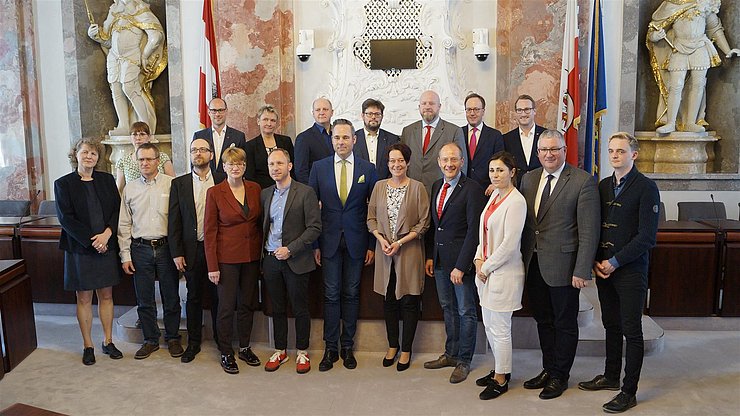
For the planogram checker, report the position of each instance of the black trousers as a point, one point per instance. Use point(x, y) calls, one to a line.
point(622, 298)
point(237, 289)
point(406, 308)
point(198, 285)
point(281, 281)
point(556, 311)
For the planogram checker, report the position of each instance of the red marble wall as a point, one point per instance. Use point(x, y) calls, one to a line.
point(255, 45)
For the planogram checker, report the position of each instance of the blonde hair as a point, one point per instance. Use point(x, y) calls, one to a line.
point(631, 140)
point(234, 155)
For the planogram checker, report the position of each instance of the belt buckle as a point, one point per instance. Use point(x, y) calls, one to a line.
point(154, 243)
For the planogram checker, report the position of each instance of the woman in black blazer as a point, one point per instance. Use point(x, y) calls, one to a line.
point(87, 207)
point(261, 146)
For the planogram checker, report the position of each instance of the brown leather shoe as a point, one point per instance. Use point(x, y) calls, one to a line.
point(460, 373)
point(441, 362)
point(175, 348)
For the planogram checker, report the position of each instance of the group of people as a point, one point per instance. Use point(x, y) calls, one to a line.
point(483, 214)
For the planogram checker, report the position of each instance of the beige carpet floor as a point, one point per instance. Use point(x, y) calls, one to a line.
point(698, 373)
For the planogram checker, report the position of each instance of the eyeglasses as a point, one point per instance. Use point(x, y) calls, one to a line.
point(551, 150)
point(217, 110)
point(199, 150)
point(473, 110)
point(377, 115)
point(523, 110)
point(234, 165)
point(139, 133)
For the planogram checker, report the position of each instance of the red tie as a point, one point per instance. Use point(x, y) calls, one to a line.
point(441, 203)
point(427, 137)
point(473, 142)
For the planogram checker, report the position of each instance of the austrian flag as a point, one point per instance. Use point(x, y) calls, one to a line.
point(570, 109)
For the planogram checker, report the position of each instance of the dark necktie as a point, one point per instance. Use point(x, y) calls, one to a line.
point(544, 197)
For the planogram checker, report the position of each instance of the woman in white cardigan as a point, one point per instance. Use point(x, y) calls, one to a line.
point(499, 269)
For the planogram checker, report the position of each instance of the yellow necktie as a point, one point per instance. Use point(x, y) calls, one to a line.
point(343, 183)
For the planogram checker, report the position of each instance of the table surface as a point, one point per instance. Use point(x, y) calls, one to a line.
point(684, 226)
point(8, 264)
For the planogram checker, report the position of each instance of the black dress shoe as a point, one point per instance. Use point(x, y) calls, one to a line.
point(246, 355)
point(488, 378)
point(88, 356)
point(111, 351)
point(539, 382)
point(494, 390)
point(327, 363)
point(403, 366)
point(348, 358)
point(387, 362)
point(620, 403)
point(599, 383)
point(228, 363)
point(554, 388)
point(189, 354)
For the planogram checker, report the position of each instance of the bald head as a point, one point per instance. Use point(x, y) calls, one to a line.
point(429, 105)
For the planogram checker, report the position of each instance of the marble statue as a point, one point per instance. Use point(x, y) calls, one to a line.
point(679, 42)
point(136, 53)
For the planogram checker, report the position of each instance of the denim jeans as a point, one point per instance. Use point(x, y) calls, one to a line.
point(152, 263)
point(342, 276)
point(460, 309)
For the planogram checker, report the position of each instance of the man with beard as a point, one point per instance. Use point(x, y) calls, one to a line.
point(372, 141)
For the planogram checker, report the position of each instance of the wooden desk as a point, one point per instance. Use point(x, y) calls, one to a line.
point(16, 313)
point(39, 241)
point(728, 293)
point(682, 278)
point(9, 245)
point(20, 409)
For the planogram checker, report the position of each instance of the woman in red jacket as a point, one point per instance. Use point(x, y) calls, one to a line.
point(233, 235)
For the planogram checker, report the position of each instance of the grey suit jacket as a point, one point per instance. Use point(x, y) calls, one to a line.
point(423, 166)
point(301, 224)
point(567, 236)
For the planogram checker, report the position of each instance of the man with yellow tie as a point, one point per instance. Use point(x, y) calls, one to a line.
point(343, 183)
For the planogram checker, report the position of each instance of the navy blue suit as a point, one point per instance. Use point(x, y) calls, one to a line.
point(490, 141)
point(310, 145)
point(233, 137)
point(385, 139)
point(451, 243)
point(344, 241)
point(513, 145)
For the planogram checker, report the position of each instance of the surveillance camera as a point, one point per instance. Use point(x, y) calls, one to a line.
point(305, 45)
point(304, 57)
point(481, 51)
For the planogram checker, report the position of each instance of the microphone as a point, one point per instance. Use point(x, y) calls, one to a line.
point(716, 214)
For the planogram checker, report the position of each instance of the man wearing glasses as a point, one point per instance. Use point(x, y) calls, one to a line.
point(522, 141)
point(559, 243)
point(220, 137)
point(185, 235)
point(145, 251)
point(482, 141)
point(372, 140)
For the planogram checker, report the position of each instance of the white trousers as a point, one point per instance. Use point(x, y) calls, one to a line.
point(498, 332)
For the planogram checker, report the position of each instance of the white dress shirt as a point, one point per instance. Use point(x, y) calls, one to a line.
point(218, 142)
point(543, 182)
point(200, 186)
point(371, 139)
point(527, 142)
point(338, 171)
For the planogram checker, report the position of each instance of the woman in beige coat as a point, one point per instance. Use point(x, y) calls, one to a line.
point(398, 216)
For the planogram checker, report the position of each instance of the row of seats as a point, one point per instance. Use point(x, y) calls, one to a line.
point(687, 211)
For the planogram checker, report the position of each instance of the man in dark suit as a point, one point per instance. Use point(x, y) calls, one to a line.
point(455, 211)
point(630, 204)
point(522, 141)
point(372, 141)
point(185, 235)
point(343, 183)
point(220, 137)
point(559, 243)
point(291, 224)
point(314, 143)
point(482, 141)
point(426, 136)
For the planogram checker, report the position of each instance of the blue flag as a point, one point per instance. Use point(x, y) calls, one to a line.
point(596, 93)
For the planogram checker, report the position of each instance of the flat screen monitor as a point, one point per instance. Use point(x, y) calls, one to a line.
point(393, 54)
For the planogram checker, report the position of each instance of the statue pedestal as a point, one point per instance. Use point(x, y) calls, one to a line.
point(677, 152)
point(119, 146)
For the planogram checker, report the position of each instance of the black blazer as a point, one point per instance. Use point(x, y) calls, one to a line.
point(257, 170)
point(513, 145)
point(452, 240)
point(310, 145)
point(182, 221)
point(233, 137)
point(385, 139)
point(490, 142)
point(74, 216)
